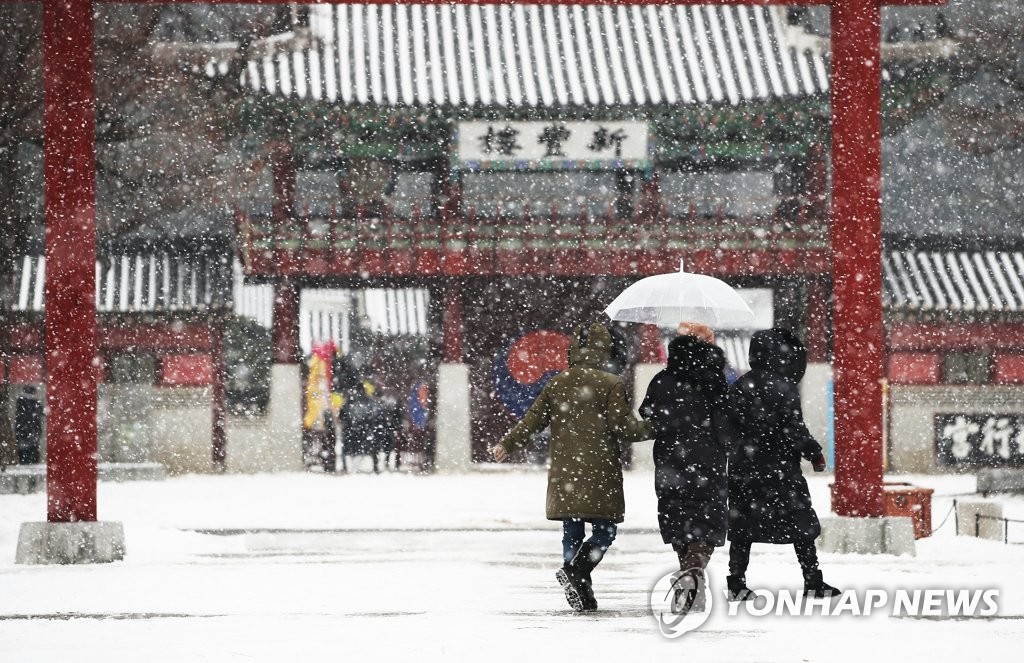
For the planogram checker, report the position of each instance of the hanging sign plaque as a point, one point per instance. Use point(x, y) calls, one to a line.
point(546, 145)
point(979, 440)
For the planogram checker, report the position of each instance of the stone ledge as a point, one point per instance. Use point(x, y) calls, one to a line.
point(23, 479)
point(980, 518)
point(1001, 480)
point(131, 472)
point(867, 536)
point(70, 543)
point(26, 479)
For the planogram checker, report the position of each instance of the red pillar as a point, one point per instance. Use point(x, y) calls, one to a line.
point(817, 319)
point(856, 248)
point(286, 292)
point(285, 330)
point(817, 183)
point(651, 350)
point(70, 191)
point(451, 324)
point(283, 170)
point(219, 441)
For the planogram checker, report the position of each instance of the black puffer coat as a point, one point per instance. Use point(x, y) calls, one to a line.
point(683, 404)
point(768, 497)
point(366, 425)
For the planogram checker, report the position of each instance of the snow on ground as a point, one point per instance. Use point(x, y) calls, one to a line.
point(399, 567)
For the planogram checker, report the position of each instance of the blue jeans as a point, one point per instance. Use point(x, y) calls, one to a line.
point(602, 533)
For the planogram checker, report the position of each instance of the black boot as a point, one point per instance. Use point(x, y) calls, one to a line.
point(688, 592)
point(738, 590)
point(818, 588)
point(574, 578)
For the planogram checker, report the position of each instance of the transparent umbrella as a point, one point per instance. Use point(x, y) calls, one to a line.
point(668, 299)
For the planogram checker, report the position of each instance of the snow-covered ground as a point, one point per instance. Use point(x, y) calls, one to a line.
point(398, 567)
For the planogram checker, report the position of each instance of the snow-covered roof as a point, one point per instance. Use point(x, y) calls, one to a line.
point(544, 55)
point(736, 347)
point(253, 300)
point(328, 313)
point(969, 281)
point(957, 171)
point(140, 283)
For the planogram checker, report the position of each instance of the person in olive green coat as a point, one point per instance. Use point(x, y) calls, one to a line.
point(590, 420)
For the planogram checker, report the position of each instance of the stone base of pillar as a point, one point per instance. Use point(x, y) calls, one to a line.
point(70, 543)
point(454, 448)
point(867, 536)
point(815, 402)
point(643, 452)
point(273, 442)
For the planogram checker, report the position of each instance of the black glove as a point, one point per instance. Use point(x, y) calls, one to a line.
point(819, 463)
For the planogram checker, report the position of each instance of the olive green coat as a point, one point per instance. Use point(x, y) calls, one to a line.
point(590, 420)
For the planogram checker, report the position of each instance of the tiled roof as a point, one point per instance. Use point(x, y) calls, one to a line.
point(544, 55)
point(137, 283)
point(969, 281)
point(736, 347)
point(327, 313)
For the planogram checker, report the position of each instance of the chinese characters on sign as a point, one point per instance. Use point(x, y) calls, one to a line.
point(552, 144)
point(979, 439)
point(604, 139)
point(502, 141)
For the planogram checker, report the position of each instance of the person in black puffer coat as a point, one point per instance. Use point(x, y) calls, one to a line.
point(366, 427)
point(769, 501)
point(684, 405)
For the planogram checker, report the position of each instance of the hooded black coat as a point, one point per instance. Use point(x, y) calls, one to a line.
point(366, 425)
point(768, 497)
point(683, 404)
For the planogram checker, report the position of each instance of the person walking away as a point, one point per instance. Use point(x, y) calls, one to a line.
point(364, 427)
point(769, 501)
point(590, 418)
point(684, 406)
point(318, 436)
point(394, 432)
point(28, 426)
point(8, 447)
point(329, 442)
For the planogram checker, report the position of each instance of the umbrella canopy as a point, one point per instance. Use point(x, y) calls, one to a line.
point(668, 299)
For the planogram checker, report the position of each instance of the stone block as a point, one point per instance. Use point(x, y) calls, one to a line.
point(23, 479)
point(454, 451)
point(1001, 480)
point(980, 518)
point(119, 472)
point(867, 536)
point(898, 536)
point(70, 543)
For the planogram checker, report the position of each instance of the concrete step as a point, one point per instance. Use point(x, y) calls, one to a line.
point(26, 479)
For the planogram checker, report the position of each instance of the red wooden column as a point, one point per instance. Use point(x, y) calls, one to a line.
point(451, 324)
point(817, 183)
point(817, 319)
point(219, 411)
point(282, 165)
point(651, 350)
point(70, 190)
point(285, 330)
point(857, 256)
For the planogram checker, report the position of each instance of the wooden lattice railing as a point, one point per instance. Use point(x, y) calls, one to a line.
point(423, 242)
